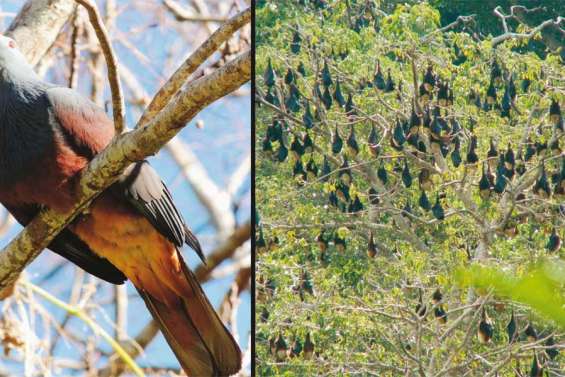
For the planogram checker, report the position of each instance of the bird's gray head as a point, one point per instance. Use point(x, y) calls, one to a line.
point(12, 61)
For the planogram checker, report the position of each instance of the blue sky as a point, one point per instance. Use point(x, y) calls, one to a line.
point(221, 146)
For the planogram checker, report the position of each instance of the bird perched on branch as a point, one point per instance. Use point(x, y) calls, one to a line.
point(131, 231)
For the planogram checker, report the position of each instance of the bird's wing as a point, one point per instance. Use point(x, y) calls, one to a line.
point(69, 246)
point(85, 126)
point(143, 189)
point(87, 130)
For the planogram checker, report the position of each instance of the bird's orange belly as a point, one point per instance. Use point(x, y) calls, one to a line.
point(115, 231)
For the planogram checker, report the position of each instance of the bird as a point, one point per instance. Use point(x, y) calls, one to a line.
point(132, 230)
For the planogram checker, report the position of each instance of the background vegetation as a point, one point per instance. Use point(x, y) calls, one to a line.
point(349, 263)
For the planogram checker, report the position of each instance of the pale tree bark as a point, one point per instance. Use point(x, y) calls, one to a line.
point(38, 24)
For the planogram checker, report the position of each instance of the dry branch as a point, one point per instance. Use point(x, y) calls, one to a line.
point(216, 200)
point(110, 56)
point(193, 62)
point(183, 14)
point(225, 251)
point(511, 35)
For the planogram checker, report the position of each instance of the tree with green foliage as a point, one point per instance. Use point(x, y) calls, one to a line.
point(409, 186)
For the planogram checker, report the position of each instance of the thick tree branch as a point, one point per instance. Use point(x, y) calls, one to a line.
point(124, 149)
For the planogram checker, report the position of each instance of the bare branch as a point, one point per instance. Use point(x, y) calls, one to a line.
point(110, 56)
point(216, 201)
point(461, 20)
point(193, 62)
point(183, 14)
point(238, 177)
point(511, 35)
point(223, 252)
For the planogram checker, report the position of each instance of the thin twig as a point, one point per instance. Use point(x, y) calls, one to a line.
point(182, 14)
point(111, 62)
point(74, 311)
point(190, 65)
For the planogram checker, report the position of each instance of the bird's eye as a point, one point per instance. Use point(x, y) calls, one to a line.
point(11, 43)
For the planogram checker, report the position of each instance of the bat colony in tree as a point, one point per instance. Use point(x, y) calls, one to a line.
point(380, 151)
